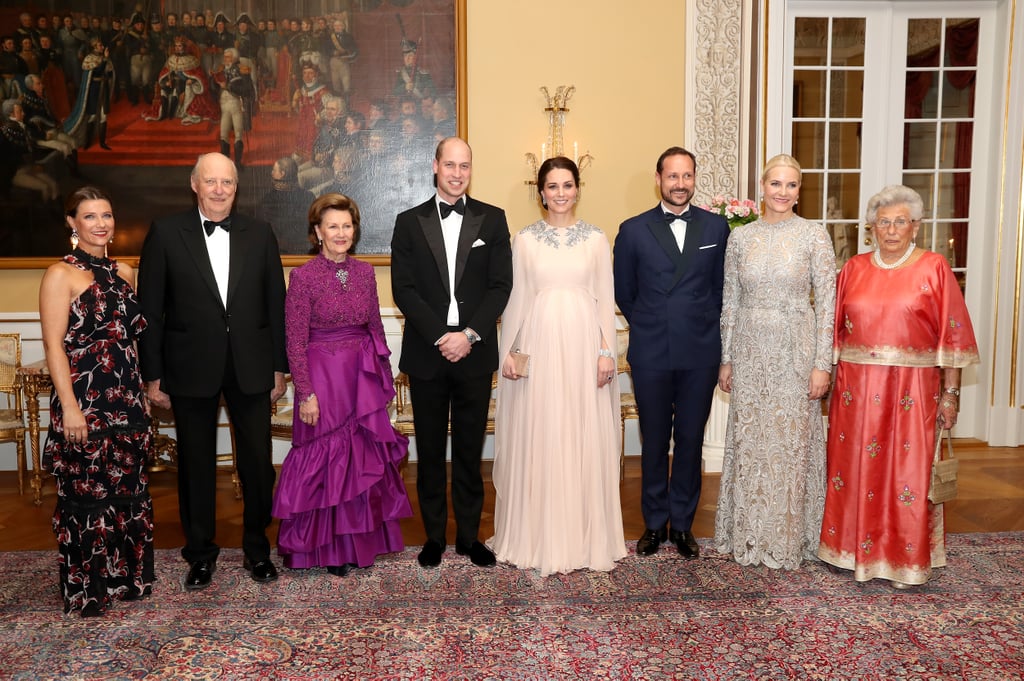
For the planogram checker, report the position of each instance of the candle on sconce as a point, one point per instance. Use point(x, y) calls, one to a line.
point(543, 151)
point(575, 152)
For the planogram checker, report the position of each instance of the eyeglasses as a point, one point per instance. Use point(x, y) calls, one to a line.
point(900, 223)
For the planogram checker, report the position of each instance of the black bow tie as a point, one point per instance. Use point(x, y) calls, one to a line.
point(210, 225)
point(672, 217)
point(446, 209)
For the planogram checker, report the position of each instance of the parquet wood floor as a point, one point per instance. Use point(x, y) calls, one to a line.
point(991, 500)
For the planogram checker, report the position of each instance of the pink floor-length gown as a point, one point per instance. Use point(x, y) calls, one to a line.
point(557, 439)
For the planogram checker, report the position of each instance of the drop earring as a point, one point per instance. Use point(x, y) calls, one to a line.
point(74, 239)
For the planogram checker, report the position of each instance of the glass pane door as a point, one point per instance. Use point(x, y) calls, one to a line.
point(828, 121)
point(940, 81)
point(882, 93)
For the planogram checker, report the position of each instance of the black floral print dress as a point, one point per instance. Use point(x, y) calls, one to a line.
point(104, 515)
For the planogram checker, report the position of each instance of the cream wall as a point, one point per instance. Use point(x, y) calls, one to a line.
point(627, 66)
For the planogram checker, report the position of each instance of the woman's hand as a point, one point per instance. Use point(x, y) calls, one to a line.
point(949, 407)
point(605, 371)
point(725, 378)
point(309, 411)
point(819, 384)
point(508, 368)
point(76, 430)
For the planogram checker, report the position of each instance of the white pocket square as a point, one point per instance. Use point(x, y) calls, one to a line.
point(708, 246)
point(478, 242)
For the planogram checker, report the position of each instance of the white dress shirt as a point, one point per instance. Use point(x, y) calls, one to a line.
point(450, 228)
point(218, 245)
point(677, 226)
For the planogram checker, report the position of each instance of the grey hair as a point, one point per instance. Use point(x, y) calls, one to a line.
point(31, 80)
point(232, 51)
point(895, 195)
point(202, 157)
point(8, 106)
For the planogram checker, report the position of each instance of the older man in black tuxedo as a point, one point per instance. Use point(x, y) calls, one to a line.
point(451, 274)
point(212, 289)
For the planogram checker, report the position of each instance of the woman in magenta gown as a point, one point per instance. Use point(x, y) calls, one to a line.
point(341, 496)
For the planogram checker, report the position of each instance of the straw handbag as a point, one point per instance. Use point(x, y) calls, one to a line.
point(944, 471)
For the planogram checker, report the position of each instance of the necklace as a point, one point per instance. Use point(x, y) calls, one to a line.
point(903, 258)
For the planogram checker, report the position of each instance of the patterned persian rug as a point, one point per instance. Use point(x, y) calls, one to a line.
point(651, 618)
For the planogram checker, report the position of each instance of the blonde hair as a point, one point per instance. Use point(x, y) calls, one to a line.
point(782, 161)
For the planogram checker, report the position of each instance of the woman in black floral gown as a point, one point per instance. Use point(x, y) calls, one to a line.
point(99, 439)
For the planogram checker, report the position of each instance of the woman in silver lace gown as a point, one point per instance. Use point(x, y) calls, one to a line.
point(776, 359)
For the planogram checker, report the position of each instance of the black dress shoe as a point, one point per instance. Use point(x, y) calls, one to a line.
point(200, 574)
point(686, 544)
point(92, 609)
point(134, 594)
point(430, 556)
point(480, 555)
point(650, 541)
point(340, 570)
point(261, 571)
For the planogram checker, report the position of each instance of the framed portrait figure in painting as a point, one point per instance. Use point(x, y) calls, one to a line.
point(306, 97)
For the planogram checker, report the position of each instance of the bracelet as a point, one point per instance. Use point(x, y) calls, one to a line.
point(949, 404)
point(309, 397)
point(952, 391)
point(606, 353)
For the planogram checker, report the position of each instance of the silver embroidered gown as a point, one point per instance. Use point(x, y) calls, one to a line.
point(773, 478)
point(556, 457)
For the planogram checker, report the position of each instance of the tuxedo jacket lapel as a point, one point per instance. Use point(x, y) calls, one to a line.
point(238, 251)
point(662, 233)
point(430, 223)
point(195, 244)
point(471, 223)
point(691, 244)
point(667, 241)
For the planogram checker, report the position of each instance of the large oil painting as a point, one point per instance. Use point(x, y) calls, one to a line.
point(307, 97)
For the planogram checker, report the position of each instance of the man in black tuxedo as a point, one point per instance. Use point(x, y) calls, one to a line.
point(451, 275)
point(669, 272)
point(212, 289)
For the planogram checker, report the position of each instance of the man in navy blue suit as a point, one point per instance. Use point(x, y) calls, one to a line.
point(669, 270)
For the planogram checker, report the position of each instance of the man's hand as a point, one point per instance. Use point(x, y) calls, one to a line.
point(454, 346)
point(157, 397)
point(279, 386)
point(725, 378)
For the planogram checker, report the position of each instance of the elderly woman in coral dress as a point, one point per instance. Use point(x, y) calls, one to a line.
point(902, 336)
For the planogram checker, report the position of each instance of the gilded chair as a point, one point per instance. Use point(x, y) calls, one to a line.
point(165, 449)
point(403, 420)
point(12, 416)
point(281, 413)
point(626, 399)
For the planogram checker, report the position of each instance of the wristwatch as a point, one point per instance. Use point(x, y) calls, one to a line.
point(470, 336)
